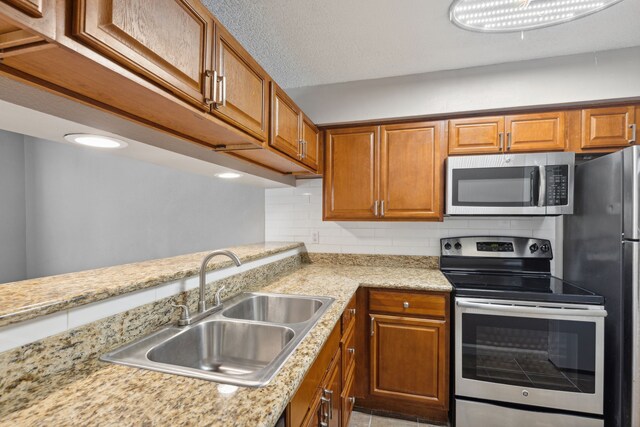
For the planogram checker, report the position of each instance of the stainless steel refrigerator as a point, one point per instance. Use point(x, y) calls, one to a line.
point(602, 254)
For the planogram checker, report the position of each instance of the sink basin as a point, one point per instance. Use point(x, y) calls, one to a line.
point(245, 344)
point(226, 347)
point(274, 309)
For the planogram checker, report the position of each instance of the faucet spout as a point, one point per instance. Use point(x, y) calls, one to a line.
point(202, 304)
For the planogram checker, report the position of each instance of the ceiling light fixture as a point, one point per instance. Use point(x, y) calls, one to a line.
point(95, 141)
point(502, 16)
point(228, 175)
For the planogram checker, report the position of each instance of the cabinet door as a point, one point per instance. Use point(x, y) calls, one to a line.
point(409, 359)
point(311, 141)
point(243, 87)
point(411, 171)
point(285, 123)
point(480, 135)
point(535, 132)
point(332, 391)
point(32, 8)
point(607, 127)
point(350, 173)
point(167, 41)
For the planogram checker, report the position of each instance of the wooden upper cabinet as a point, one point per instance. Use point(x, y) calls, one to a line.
point(481, 135)
point(350, 173)
point(535, 132)
point(411, 170)
point(408, 360)
point(33, 8)
point(311, 143)
point(242, 90)
point(167, 41)
point(611, 127)
point(285, 123)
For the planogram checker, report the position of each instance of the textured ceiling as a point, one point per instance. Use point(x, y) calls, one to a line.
point(312, 42)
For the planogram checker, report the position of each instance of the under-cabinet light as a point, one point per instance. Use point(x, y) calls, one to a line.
point(228, 175)
point(95, 141)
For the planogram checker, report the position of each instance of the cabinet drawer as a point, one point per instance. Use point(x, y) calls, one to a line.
point(348, 352)
point(349, 315)
point(412, 303)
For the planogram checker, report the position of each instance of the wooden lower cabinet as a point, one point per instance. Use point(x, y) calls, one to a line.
point(324, 399)
point(406, 359)
point(405, 365)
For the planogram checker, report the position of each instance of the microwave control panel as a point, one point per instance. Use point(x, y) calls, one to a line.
point(557, 191)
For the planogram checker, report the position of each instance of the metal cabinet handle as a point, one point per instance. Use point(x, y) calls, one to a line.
point(508, 141)
point(213, 75)
point(372, 325)
point(223, 91)
point(375, 208)
point(501, 140)
point(304, 149)
point(329, 401)
point(323, 424)
point(352, 399)
point(633, 133)
point(351, 350)
point(300, 149)
point(405, 304)
point(382, 208)
point(352, 311)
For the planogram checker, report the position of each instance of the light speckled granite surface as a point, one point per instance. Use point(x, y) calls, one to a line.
point(28, 299)
point(114, 395)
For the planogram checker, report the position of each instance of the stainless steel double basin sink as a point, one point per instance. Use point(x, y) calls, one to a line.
point(244, 343)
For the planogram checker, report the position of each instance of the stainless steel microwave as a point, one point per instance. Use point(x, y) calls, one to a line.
point(510, 184)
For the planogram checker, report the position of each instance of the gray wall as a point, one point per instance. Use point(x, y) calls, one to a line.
point(569, 79)
point(13, 262)
point(87, 208)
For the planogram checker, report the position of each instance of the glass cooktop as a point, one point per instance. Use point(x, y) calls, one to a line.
point(519, 286)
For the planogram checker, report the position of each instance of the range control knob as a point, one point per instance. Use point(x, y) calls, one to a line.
point(458, 246)
point(545, 248)
point(447, 246)
point(533, 248)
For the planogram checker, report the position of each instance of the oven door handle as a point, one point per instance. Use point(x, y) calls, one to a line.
point(561, 311)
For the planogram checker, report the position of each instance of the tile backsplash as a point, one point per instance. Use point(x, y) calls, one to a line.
point(295, 214)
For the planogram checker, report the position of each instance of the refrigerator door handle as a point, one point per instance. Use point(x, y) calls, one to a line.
point(632, 268)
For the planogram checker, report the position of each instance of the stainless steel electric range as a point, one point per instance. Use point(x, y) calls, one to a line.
point(528, 347)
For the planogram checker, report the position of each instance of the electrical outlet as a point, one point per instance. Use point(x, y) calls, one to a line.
point(315, 237)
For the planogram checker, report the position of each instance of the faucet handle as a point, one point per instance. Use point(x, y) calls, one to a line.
point(185, 316)
point(217, 298)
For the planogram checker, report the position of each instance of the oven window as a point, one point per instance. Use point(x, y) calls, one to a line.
point(512, 186)
point(529, 352)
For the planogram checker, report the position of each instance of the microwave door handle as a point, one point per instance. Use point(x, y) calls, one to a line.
point(542, 188)
point(534, 187)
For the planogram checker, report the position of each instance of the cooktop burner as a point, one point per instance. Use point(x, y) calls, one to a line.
point(514, 268)
point(524, 287)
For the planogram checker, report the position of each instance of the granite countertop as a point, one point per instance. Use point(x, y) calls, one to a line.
point(32, 298)
point(118, 395)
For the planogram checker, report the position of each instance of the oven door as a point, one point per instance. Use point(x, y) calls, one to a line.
point(541, 354)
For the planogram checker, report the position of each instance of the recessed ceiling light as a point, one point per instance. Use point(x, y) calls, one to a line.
point(95, 141)
point(500, 16)
point(228, 175)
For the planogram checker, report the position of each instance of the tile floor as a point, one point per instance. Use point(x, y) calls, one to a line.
point(360, 419)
